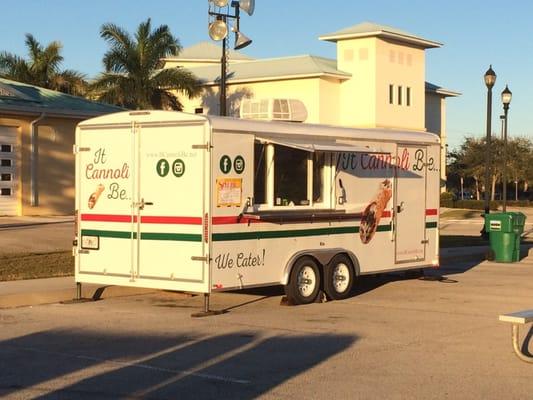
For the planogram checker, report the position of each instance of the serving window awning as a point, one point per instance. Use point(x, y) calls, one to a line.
point(330, 146)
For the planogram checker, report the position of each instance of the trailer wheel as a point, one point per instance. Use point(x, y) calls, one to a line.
point(304, 281)
point(338, 277)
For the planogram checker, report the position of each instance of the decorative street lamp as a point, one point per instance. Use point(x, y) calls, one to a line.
point(218, 30)
point(490, 80)
point(506, 100)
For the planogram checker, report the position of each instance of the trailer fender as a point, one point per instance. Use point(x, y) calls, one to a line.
point(323, 256)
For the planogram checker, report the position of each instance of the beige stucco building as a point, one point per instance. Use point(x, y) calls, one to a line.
point(37, 128)
point(376, 81)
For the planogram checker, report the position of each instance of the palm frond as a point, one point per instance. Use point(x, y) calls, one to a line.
point(163, 100)
point(34, 47)
point(177, 79)
point(69, 81)
point(115, 36)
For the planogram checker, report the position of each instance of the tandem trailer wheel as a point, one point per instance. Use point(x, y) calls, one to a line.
point(304, 281)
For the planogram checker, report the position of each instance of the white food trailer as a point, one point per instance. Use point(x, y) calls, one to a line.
point(195, 203)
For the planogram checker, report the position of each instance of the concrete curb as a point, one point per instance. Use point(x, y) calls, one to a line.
point(23, 224)
point(43, 296)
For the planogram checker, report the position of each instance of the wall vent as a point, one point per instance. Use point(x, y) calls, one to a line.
point(273, 110)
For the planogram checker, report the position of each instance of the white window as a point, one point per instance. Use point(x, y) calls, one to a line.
point(400, 91)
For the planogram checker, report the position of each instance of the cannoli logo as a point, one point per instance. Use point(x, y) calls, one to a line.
point(99, 169)
point(404, 161)
point(373, 212)
point(93, 198)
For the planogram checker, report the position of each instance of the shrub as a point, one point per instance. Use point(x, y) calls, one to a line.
point(446, 199)
point(474, 204)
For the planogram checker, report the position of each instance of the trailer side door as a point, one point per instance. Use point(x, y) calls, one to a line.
point(410, 204)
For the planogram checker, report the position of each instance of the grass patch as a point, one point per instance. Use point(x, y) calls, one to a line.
point(461, 241)
point(461, 214)
point(36, 265)
point(467, 241)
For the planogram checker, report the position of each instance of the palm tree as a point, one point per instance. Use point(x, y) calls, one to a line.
point(133, 77)
point(42, 68)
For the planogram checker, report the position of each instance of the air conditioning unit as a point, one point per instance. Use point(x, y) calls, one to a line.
point(273, 110)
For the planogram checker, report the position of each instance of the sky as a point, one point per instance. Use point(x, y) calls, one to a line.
point(474, 33)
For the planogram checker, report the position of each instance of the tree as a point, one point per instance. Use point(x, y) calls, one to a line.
point(42, 68)
point(133, 77)
point(519, 161)
point(469, 161)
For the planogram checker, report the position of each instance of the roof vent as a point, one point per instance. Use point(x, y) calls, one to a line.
point(273, 110)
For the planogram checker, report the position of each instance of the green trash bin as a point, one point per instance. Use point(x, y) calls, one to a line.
point(505, 230)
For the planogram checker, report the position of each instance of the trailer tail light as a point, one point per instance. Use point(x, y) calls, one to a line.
point(76, 224)
point(206, 227)
point(435, 263)
point(218, 286)
point(75, 239)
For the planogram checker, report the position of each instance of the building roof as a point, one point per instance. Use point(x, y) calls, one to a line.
point(369, 29)
point(431, 88)
point(207, 52)
point(303, 66)
point(25, 98)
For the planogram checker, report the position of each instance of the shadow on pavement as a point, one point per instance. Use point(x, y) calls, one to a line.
point(99, 365)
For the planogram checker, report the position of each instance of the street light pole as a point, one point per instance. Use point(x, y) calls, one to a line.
point(506, 100)
point(490, 80)
point(218, 30)
point(223, 65)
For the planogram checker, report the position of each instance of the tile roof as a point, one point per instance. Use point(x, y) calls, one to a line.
point(18, 96)
point(368, 29)
point(207, 51)
point(273, 68)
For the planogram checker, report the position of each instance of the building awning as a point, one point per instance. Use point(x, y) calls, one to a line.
point(330, 146)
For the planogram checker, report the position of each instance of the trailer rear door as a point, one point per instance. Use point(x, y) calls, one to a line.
point(173, 177)
point(142, 196)
point(105, 187)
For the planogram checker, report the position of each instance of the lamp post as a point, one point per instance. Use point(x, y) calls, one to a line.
point(490, 79)
point(506, 100)
point(218, 30)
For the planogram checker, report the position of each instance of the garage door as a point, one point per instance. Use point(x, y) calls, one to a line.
point(9, 200)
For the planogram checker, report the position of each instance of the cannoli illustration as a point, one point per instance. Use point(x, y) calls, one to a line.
point(93, 198)
point(374, 210)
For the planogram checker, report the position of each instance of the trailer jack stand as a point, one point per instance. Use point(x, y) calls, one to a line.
point(207, 312)
point(78, 298)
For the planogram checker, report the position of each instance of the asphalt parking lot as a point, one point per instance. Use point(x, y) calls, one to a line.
point(396, 338)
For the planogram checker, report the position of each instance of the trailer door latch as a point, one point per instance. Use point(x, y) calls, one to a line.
point(204, 259)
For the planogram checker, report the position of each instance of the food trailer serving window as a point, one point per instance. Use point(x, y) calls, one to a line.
point(295, 173)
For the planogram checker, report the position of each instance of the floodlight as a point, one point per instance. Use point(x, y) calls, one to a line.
point(218, 30)
point(247, 5)
point(241, 40)
point(220, 3)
